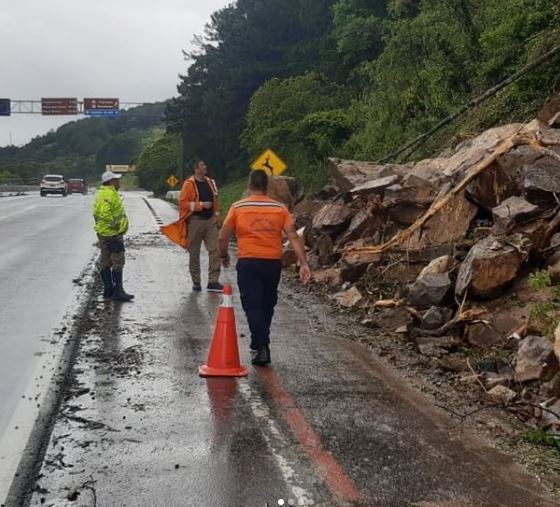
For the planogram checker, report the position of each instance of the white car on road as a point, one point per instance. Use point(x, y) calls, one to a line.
point(54, 184)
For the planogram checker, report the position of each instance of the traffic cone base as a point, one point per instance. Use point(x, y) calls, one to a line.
point(223, 356)
point(206, 371)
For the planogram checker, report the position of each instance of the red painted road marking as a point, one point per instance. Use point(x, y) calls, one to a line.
point(339, 484)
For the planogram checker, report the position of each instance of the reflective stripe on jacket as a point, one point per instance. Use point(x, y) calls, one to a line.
point(108, 212)
point(189, 200)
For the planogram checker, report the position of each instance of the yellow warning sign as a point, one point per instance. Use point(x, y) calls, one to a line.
point(270, 162)
point(172, 181)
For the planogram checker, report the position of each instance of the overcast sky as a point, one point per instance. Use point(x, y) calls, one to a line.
point(130, 49)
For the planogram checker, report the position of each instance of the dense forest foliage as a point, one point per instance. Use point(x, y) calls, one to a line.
point(82, 148)
point(356, 78)
point(318, 78)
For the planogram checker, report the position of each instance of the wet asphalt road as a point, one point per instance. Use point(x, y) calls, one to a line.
point(45, 243)
point(327, 424)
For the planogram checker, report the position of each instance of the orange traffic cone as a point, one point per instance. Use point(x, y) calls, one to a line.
point(223, 357)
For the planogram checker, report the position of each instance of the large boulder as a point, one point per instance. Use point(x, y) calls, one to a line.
point(536, 232)
point(473, 151)
point(448, 226)
point(535, 359)
point(349, 174)
point(490, 265)
point(493, 329)
point(285, 189)
point(363, 224)
point(429, 290)
point(503, 179)
point(376, 186)
point(541, 183)
point(409, 199)
point(513, 211)
point(332, 218)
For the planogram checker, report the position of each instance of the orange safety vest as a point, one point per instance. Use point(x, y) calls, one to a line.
point(189, 202)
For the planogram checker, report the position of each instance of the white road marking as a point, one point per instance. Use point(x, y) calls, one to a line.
point(263, 415)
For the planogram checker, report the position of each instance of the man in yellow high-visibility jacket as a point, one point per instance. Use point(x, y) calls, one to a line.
point(111, 224)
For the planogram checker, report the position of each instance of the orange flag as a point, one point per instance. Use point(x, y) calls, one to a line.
point(177, 232)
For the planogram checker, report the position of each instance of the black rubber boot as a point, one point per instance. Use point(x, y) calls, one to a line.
point(118, 292)
point(107, 278)
point(260, 357)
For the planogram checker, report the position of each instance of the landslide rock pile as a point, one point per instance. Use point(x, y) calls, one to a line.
point(440, 251)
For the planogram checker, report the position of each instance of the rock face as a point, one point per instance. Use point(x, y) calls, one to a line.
point(473, 151)
point(332, 217)
point(376, 186)
point(490, 265)
point(511, 212)
point(364, 222)
point(429, 290)
point(542, 181)
point(448, 226)
point(349, 174)
point(535, 359)
point(503, 179)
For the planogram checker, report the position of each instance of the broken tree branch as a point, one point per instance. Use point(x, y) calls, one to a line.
point(517, 139)
point(537, 146)
point(466, 316)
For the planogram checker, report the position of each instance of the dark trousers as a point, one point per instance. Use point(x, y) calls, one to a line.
point(112, 252)
point(258, 281)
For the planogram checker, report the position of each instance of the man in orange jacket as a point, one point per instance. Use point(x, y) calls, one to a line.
point(198, 204)
point(259, 224)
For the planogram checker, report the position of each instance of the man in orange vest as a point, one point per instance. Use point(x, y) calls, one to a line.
point(259, 223)
point(198, 204)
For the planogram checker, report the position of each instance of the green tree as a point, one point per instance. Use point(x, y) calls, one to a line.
point(304, 119)
point(244, 45)
point(158, 161)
